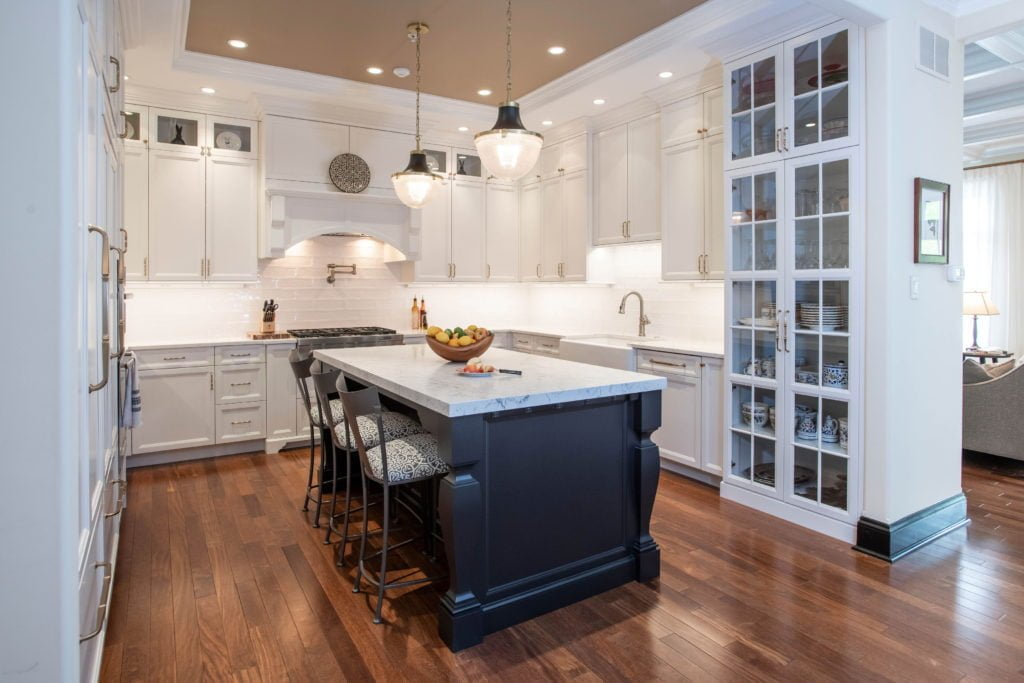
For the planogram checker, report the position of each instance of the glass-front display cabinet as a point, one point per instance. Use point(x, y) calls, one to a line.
point(793, 331)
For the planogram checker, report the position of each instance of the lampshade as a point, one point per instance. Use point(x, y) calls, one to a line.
point(978, 303)
point(508, 150)
point(417, 184)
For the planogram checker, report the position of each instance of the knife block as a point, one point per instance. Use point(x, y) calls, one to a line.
point(268, 327)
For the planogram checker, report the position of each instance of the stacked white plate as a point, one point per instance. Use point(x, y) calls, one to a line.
point(824, 318)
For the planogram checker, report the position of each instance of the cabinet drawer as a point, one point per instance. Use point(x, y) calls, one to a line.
point(546, 345)
point(522, 342)
point(236, 355)
point(181, 357)
point(240, 422)
point(669, 363)
point(242, 383)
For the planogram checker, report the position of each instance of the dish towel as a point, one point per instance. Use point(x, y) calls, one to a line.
point(131, 415)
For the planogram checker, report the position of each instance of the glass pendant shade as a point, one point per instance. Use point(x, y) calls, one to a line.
point(417, 184)
point(508, 150)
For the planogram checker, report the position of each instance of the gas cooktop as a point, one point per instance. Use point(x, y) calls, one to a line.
point(311, 332)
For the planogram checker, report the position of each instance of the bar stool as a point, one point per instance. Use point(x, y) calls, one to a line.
point(301, 361)
point(326, 382)
point(391, 463)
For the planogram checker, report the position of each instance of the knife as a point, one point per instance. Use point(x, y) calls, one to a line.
point(510, 372)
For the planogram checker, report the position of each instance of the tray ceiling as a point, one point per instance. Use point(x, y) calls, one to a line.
point(463, 53)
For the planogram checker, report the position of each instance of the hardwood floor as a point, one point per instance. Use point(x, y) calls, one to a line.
point(220, 577)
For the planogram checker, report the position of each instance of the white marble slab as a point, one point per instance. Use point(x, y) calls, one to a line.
point(688, 346)
point(418, 375)
point(144, 344)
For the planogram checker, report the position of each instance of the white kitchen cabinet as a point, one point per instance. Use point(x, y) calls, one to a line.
point(551, 218)
point(231, 218)
point(698, 116)
point(692, 235)
point(179, 357)
point(539, 344)
point(383, 151)
point(529, 232)
point(172, 130)
point(241, 354)
point(178, 411)
point(502, 238)
point(799, 97)
point(468, 245)
point(177, 214)
point(281, 392)
point(242, 383)
point(712, 419)
point(626, 203)
point(136, 210)
point(301, 150)
point(678, 438)
point(231, 138)
point(240, 422)
point(562, 157)
point(575, 233)
point(434, 264)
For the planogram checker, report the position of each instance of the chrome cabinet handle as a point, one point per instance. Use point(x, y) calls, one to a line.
point(145, 266)
point(124, 237)
point(778, 335)
point(101, 609)
point(785, 330)
point(623, 228)
point(241, 422)
point(175, 357)
point(488, 271)
point(628, 226)
point(455, 270)
point(124, 125)
point(778, 139)
point(537, 269)
point(105, 322)
point(241, 384)
point(117, 75)
point(119, 302)
point(239, 355)
point(785, 139)
point(653, 361)
point(120, 498)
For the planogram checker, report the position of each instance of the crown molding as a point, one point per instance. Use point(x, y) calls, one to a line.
point(187, 101)
point(768, 26)
point(631, 111)
point(569, 129)
point(355, 94)
point(687, 86)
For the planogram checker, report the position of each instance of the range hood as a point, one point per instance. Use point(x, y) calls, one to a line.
point(298, 211)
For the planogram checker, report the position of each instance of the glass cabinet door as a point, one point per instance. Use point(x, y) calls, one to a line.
point(820, 326)
point(231, 137)
point(437, 159)
point(753, 345)
point(467, 164)
point(135, 122)
point(820, 101)
point(176, 130)
point(755, 112)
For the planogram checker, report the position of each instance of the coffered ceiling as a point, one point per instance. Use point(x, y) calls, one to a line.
point(994, 98)
point(463, 53)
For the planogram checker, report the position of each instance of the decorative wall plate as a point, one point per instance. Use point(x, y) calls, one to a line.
point(228, 140)
point(349, 173)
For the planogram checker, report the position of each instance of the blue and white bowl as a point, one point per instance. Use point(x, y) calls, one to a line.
point(835, 375)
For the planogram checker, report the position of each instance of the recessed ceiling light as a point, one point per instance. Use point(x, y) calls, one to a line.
point(665, 74)
point(546, 123)
point(810, 124)
point(401, 71)
point(208, 91)
point(463, 129)
point(126, 77)
point(240, 44)
point(483, 92)
point(599, 101)
point(556, 50)
point(375, 70)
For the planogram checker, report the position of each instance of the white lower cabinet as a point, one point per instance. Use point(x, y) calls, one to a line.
point(240, 421)
point(177, 409)
point(539, 344)
point(240, 383)
point(690, 408)
point(281, 393)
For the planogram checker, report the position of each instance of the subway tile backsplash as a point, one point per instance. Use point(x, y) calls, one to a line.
point(376, 296)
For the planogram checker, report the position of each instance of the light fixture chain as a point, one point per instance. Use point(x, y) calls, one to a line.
point(418, 36)
point(508, 52)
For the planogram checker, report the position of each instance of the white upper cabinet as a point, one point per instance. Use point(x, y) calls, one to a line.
point(626, 200)
point(136, 211)
point(434, 264)
point(529, 232)
point(575, 235)
point(551, 217)
point(173, 130)
point(699, 116)
point(177, 215)
point(502, 223)
point(230, 218)
point(466, 165)
point(796, 98)
point(682, 241)
point(383, 151)
point(562, 157)
point(302, 150)
point(231, 137)
point(468, 244)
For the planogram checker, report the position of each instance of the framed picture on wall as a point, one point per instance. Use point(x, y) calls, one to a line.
point(931, 221)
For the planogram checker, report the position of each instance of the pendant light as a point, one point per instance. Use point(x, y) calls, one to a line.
point(508, 150)
point(417, 184)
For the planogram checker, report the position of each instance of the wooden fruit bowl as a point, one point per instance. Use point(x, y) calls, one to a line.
point(460, 354)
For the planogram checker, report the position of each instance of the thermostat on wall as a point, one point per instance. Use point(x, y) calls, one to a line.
point(954, 273)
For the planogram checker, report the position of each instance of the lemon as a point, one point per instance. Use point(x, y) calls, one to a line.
point(433, 330)
point(453, 342)
point(470, 328)
point(442, 337)
point(466, 341)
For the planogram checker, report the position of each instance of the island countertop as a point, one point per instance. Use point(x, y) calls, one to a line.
point(418, 375)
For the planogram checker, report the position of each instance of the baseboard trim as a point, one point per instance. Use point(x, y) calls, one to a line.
point(890, 542)
point(843, 531)
point(690, 472)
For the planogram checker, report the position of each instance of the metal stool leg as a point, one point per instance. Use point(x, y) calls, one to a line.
point(309, 479)
point(348, 508)
point(382, 577)
point(324, 444)
point(362, 539)
point(334, 494)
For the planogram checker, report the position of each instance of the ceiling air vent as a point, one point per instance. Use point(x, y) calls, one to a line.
point(933, 53)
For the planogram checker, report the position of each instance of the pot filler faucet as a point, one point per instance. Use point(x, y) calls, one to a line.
point(644, 320)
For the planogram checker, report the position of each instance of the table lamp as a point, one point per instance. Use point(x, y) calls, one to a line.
point(977, 303)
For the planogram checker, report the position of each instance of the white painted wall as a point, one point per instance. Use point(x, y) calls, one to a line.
point(40, 380)
point(376, 296)
point(913, 381)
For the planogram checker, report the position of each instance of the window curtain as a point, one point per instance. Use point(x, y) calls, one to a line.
point(994, 253)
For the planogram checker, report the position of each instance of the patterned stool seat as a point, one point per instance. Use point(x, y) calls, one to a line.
point(337, 412)
point(409, 457)
point(396, 426)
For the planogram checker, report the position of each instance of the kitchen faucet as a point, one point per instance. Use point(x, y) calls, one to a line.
point(644, 320)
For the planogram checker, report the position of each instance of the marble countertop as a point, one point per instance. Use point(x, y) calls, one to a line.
point(520, 330)
point(419, 376)
point(676, 345)
point(142, 345)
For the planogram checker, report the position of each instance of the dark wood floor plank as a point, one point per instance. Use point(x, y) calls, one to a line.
point(221, 577)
